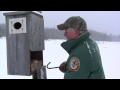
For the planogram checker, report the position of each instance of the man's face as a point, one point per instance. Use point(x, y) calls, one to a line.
point(70, 34)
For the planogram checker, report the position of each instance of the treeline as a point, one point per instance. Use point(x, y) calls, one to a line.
point(99, 36)
point(2, 30)
point(52, 33)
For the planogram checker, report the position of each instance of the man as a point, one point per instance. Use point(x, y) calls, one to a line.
point(84, 61)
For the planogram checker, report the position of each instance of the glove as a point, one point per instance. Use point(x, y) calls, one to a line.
point(62, 67)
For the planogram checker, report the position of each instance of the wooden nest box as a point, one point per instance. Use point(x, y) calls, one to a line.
point(25, 41)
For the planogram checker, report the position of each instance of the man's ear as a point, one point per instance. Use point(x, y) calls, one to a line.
point(77, 32)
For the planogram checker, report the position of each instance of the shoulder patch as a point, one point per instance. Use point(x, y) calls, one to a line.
point(74, 64)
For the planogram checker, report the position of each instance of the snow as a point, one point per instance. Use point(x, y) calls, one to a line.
point(55, 54)
point(37, 12)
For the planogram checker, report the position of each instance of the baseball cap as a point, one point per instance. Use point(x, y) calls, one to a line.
point(75, 22)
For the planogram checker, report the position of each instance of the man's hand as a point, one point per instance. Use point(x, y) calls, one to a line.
point(62, 67)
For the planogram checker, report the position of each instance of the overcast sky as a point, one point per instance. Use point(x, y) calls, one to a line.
point(102, 21)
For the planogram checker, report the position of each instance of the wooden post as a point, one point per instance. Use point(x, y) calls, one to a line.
point(25, 38)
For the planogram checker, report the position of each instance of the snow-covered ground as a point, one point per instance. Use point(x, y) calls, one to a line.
point(55, 54)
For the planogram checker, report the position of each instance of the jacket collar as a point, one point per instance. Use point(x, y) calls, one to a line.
point(69, 45)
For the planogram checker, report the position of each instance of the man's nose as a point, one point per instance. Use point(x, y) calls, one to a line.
point(64, 34)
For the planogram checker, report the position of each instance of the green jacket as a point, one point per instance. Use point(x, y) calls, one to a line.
point(84, 61)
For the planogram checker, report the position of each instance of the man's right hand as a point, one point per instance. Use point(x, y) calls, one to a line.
point(62, 67)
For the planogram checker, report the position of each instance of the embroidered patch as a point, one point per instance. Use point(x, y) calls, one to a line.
point(74, 64)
